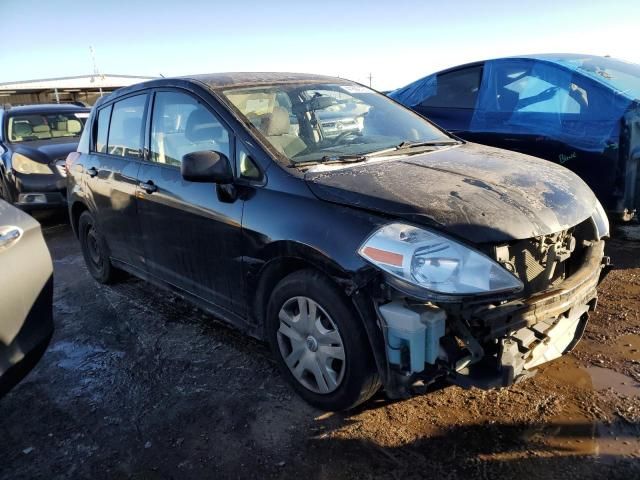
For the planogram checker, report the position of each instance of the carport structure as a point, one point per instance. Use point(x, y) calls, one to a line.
point(85, 88)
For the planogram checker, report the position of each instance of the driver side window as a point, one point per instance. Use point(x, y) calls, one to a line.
point(180, 125)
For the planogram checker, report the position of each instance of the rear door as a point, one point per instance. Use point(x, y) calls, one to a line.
point(526, 106)
point(111, 173)
point(191, 231)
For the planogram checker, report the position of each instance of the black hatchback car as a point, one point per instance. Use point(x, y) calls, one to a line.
point(34, 143)
point(581, 111)
point(392, 254)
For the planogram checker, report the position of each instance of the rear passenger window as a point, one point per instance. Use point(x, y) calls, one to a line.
point(102, 129)
point(126, 127)
point(457, 89)
point(181, 125)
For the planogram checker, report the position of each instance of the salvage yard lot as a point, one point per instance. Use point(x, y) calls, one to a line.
point(139, 384)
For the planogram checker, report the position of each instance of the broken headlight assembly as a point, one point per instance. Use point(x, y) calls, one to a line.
point(428, 265)
point(22, 164)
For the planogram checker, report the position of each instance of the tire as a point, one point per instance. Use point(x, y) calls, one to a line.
point(94, 250)
point(4, 191)
point(317, 372)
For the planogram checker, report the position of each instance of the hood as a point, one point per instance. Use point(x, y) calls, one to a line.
point(477, 193)
point(46, 151)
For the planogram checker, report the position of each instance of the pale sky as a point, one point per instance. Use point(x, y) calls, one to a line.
point(394, 41)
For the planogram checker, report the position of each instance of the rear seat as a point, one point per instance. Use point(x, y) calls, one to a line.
point(42, 131)
point(66, 128)
point(60, 130)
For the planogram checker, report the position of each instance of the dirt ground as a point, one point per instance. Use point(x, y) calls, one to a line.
point(139, 384)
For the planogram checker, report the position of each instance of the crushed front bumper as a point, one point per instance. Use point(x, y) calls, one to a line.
point(496, 345)
point(537, 330)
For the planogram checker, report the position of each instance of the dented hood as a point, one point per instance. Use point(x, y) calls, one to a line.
point(478, 193)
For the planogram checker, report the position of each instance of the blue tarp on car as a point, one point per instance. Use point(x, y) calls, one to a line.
point(577, 100)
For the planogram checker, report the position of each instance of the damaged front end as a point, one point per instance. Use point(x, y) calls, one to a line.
point(495, 339)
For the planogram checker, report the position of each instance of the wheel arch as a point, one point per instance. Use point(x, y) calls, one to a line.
point(282, 259)
point(77, 208)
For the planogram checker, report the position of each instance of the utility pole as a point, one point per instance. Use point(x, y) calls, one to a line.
point(96, 72)
point(370, 77)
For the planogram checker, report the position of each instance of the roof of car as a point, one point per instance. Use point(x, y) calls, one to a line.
point(558, 58)
point(47, 108)
point(219, 81)
point(234, 79)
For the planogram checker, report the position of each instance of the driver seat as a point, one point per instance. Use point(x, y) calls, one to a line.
point(275, 127)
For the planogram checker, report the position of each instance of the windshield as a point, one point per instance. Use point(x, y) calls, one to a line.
point(42, 126)
point(309, 122)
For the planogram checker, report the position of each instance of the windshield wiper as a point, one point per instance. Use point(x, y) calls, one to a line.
point(328, 159)
point(431, 143)
point(406, 145)
point(360, 157)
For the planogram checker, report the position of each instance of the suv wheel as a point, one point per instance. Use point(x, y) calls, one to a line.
point(94, 250)
point(319, 343)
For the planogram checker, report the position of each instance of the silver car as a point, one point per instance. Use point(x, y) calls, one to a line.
point(26, 295)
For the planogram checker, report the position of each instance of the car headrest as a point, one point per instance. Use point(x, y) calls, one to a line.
point(41, 129)
point(276, 123)
point(74, 126)
point(61, 125)
point(22, 130)
point(201, 126)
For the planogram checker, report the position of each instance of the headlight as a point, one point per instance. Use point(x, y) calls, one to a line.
point(424, 259)
point(24, 164)
point(601, 221)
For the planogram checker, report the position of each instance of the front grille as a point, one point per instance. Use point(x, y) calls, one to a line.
point(544, 262)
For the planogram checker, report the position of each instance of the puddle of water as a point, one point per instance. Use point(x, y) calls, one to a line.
point(89, 366)
point(77, 356)
point(573, 432)
point(604, 378)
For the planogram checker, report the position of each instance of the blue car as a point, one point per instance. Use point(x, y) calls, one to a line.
point(581, 111)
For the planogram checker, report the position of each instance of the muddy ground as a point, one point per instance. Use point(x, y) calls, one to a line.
point(139, 384)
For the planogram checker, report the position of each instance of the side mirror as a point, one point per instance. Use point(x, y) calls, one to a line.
point(206, 166)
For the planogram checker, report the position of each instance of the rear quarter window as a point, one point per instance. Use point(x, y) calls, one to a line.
point(102, 129)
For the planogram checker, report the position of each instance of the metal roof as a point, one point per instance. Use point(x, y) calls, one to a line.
point(82, 82)
point(48, 107)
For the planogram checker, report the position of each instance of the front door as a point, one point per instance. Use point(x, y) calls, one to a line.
point(191, 235)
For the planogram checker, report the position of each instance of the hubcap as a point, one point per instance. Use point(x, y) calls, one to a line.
point(311, 345)
point(93, 247)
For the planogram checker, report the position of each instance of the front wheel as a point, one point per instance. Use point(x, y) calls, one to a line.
point(319, 342)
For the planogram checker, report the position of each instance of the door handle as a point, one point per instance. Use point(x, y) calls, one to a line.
point(8, 237)
point(92, 172)
point(148, 186)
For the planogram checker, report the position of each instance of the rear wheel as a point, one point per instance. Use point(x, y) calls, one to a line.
point(320, 343)
point(94, 250)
